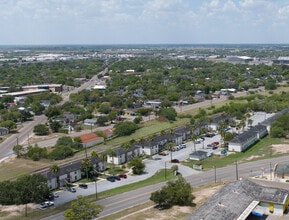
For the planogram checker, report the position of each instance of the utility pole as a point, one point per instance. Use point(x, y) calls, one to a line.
point(215, 173)
point(165, 170)
point(270, 171)
point(237, 176)
point(95, 187)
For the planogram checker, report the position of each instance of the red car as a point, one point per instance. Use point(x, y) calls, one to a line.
point(216, 143)
point(122, 175)
point(175, 161)
point(163, 154)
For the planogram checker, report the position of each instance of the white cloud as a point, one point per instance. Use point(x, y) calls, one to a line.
point(283, 13)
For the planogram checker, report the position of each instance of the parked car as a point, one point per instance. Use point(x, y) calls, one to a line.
point(163, 154)
point(56, 195)
point(46, 204)
point(183, 146)
point(116, 177)
point(209, 146)
point(72, 189)
point(83, 185)
point(210, 135)
point(112, 178)
point(122, 175)
point(50, 197)
point(175, 161)
point(216, 143)
point(199, 140)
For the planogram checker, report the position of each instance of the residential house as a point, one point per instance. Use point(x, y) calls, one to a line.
point(90, 139)
point(109, 132)
point(4, 131)
point(155, 104)
point(70, 117)
point(239, 199)
point(90, 122)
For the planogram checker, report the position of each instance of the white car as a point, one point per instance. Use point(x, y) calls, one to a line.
point(46, 204)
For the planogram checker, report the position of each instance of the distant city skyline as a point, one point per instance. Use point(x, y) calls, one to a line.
point(103, 22)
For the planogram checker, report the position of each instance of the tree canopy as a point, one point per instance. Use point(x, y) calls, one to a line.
point(82, 209)
point(177, 192)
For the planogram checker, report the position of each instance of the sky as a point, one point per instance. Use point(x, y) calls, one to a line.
point(53, 22)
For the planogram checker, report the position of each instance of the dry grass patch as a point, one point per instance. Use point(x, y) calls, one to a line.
point(13, 167)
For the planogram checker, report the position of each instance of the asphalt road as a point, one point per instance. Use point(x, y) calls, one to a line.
point(229, 173)
point(22, 136)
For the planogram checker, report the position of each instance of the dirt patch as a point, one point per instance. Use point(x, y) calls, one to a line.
point(280, 148)
point(8, 212)
point(255, 156)
point(202, 195)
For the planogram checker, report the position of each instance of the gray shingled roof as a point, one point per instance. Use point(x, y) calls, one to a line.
point(241, 138)
point(234, 198)
point(198, 153)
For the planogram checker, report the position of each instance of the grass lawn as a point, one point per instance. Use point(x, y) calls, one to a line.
point(148, 128)
point(15, 167)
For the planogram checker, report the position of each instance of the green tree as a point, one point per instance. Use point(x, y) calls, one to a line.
point(60, 152)
point(82, 209)
point(137, 119)
point(64, 141)
point(169, 113)
point(41, 129)
point(18, 150)
point(170, 147)
point(55, 126)
point(31, 189)
point(86, 167)
point(7, 99)
point(101, 120)
point(8, 124)
point(36, 153)
point(37, 108)
point(52, 111)
point(54, 169)
point(137, 165)
point(125, 128)
point(177, 192)
point(175, 169)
